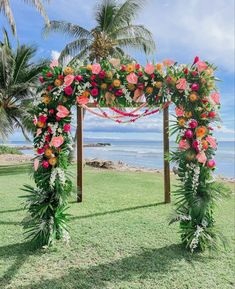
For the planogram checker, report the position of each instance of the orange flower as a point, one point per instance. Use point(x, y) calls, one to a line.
point(109, 74)
point(158, 84)
point(204, 144)
point(58, 82)
point(86, 93)
point(103, 86)
point(193, 97)
point(181, 121)
point(68, 70)
point(48, 152)
point(52, 161)
point(188, 114)
point(40, 124)
point(131, 86)
point(159, 66)
point(149, 90)
point(201, 131)
point(130, 67)
point(46, 99)
point(89, 67)
point(116, 83)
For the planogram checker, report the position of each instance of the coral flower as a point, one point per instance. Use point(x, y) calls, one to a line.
point(132, 78)
point(201, 66)
point(149, 68)
point(68, 80)
point(183, 145)
point(201, 131)
point(57, 141)
point(212, 141)
point(96, 68)
point(130, 67)
point(179, 111)
point(62, 111)
point(215, 96)
point(168, 62)
point(82, 99)
point(68, 90)
point(201, 157)
point(181, 84)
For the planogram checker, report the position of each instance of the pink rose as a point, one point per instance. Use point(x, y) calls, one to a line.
point(68, 80)
point(181, 84)
point(96, 68)
point(94, 92)
point(68, 90)
point(54, 63)
point(179, 111)
point(212, 141)
point(183, 144)
point(168, 62)
point(67, 127)
point(201, 66)
point(193, 123)
point(149, 68)
point(36, 164)
point(57, 141)
point(82, 99)
point(132, 78)
point(215, 96)
point(211, 164)
point(201, 157)
point(195, 86)
point(45, 164)
point(62, 111)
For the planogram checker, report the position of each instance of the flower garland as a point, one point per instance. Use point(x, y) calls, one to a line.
point(113, 83)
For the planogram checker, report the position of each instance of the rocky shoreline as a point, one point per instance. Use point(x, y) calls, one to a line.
point(12, 159)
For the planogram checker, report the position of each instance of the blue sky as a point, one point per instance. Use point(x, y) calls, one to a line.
point(182, 29)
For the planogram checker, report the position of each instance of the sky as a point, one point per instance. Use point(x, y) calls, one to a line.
point(182, 30)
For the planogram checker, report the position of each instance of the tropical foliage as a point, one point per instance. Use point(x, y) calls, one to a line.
point(5, 7)
point(113, 32)
point(190, 88)
point(18, 82)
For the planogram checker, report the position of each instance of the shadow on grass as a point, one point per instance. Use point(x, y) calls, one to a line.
point(151, 263)
point(12, 210)
point(117, 211)
point(21, 251)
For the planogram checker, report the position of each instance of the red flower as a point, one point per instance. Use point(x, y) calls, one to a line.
point(68, 90)
point(194, 73)
point(140, 86)
point(49, 88)
point(94, 92)
point(196, 59)
point(102, 74)
point(195, 86)
point(42, 118)
point(193, 123)
point(140, 73)
point(78, 78)
point(58, 118)
point(47, 138)
point(212, 114)
point(137, 66)
point(119, 92)
point(61, 77)
point(93, 83)
point(49, 129)
point(45, 164)
point(51, 111)
point(67, 127)
point(152, 75)
point(123, 67)
point(186, 70)
point(49, 74)
point(203, 115)
point(93, 77)
point(40, 151)
point(41, 79)
point(188, 133)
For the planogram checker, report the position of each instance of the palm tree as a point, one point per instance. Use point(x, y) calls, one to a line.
point(5, 7)
point(18, 79)
point(114, 31)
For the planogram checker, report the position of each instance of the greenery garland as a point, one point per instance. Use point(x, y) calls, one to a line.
point(112, 83)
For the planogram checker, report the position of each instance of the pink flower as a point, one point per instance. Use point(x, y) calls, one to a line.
point(211, 164)
point(179, 111)
point(132, 78)
point(45, 164)
point(51, 111)
point(39, 131)
point(212, 141)
point(62, 111)
point(188, 133)
point(68, 80)
point(96, 68)
point(168, 62)
point(41, 79)
point(137, 66)
point(42, 118)
point(57, 141)
point(35, 120)
point(36, 164)
point(215, 96)
point(68, 90)
point(201, 66)
point(47, 138)
point(201, 157)
point(119, 92)
point(196, 59)
point(149, 68)
point(78, 78)
point(54, 63)
point(114, 61)
point(195, 86)
point(193, 123)
point(140, 73)
point(40, 151)
point(212, 114)
point(67, 127)
point(82, 99)
point(195, 145)
point(181, 84)
point(183, 144)
point(94, 92)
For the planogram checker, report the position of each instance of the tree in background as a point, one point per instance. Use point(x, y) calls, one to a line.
point(18, 78)
point(114, 31)
point(5, 7)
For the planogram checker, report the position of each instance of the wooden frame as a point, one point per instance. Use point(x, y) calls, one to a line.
point(80, 114)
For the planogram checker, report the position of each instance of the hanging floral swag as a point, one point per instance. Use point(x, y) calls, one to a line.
point(115, 84)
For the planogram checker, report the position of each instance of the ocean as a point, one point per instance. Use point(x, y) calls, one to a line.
point(148, 153)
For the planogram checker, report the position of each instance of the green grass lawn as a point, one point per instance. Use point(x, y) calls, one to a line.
point(120, 238)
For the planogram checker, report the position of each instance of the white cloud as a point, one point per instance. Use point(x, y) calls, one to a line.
point(55, 54)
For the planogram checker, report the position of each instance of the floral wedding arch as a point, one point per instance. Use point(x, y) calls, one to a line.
point(191, 88)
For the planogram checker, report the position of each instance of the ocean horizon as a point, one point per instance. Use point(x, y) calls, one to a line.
point(147, 153)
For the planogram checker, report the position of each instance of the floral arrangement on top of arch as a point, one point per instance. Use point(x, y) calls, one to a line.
point(114, 84)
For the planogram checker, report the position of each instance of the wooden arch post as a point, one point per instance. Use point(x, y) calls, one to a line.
point(80, 116)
